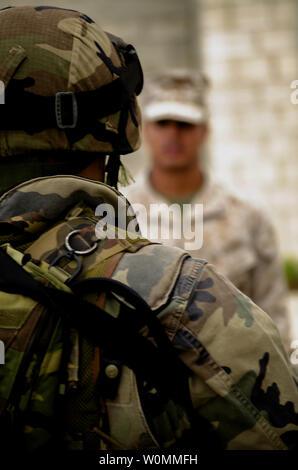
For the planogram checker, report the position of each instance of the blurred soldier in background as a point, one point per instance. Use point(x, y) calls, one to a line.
point(237, 238)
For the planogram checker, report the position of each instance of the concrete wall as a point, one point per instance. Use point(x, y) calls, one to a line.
point(249, 49)
point(164, 31)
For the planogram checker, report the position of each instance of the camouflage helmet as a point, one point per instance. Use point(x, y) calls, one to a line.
point(69, 86)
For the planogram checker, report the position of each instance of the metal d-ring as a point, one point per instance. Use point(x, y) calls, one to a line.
point(77, 252)
point(71, 254)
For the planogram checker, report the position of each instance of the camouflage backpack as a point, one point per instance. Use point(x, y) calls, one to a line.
point(40, 337)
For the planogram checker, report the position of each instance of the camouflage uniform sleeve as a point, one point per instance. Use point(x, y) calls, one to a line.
point(268, 283)
point(242, 381)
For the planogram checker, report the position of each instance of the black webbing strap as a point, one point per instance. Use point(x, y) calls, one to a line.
point(112, 169)
point(134, 318)
point(25, 110)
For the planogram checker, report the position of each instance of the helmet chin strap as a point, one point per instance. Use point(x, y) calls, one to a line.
point(112, 170)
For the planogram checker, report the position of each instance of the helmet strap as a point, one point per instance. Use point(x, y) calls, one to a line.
point(112, 169)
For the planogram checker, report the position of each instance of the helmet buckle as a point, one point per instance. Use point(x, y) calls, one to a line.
point(66, 108)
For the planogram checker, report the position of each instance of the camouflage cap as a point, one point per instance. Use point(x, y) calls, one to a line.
point(176, 94)
point(69, 86)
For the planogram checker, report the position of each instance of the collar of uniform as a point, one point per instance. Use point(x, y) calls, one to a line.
point(211, 195)
point(36, 204)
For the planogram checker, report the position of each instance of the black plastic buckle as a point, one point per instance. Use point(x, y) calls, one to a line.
point(66, 108)
point(70, 255)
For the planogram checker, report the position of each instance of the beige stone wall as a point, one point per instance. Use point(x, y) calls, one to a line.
point(164, 31)
point(249, 49)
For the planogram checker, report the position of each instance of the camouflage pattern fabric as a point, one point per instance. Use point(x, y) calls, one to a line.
point(241, 380)
point(20, 317)
point(22, 321)
point(233, 349)
point(45, 50)
point(237, 238)
point(178, 94)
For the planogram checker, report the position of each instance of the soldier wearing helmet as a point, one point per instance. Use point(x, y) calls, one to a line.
point(70, 100)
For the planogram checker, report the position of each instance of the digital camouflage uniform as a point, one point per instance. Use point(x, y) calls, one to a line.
point(240, 379)
point(237, 238)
